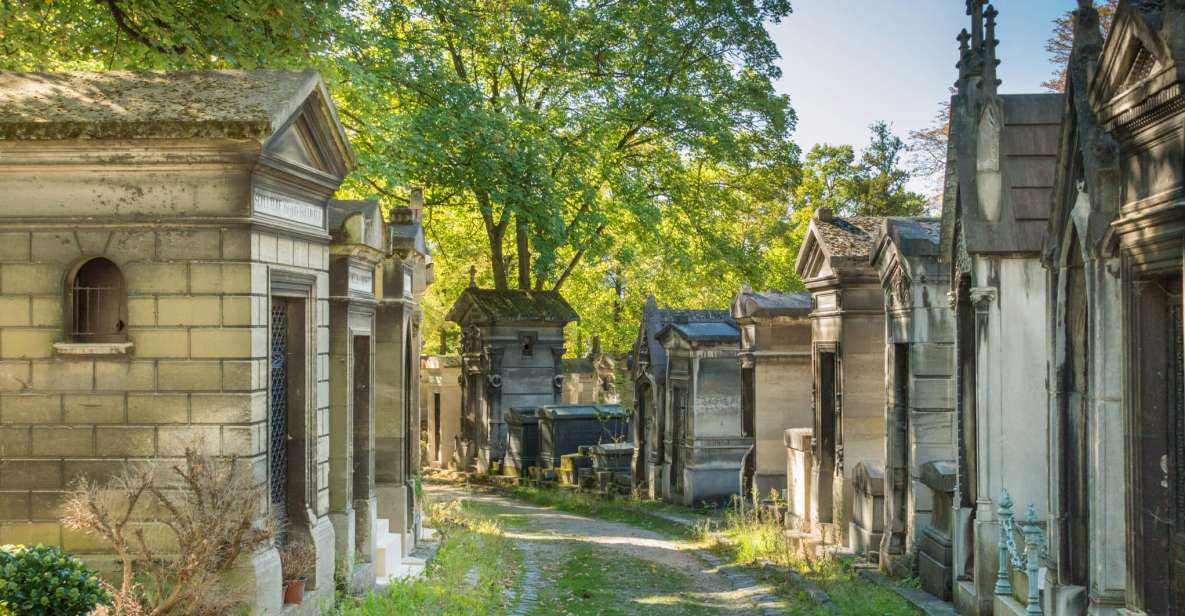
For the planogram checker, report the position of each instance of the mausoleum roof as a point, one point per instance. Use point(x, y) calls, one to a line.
point(581, 411)
point(770, 304)
point(913, 237)
point(655, 319)
point(722, 331)
point(849, 236)
point(492, 305)
point(151, 104)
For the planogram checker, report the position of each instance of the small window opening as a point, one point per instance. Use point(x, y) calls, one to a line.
point(98, 303)
point(526, 343)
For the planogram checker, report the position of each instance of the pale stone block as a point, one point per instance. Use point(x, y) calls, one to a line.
point(27, 343)
point(14, 311)
point(158, 408)
point(173, 440)
point(46, 533)
point(259, 279)
point(94, 408)
point(15, 375)
point(131, 245)
point(14, 247)
point(156, 278)
point(300, 255)
point(160, 342)
point(221, 408)
point(31, 475)
point(267, 248)
point(82, 542)
point(231, 343)
point(237, 375)
point(141, 311)
point(60, 375)
point(125, 441)
point(237, 441)
point(173, 311)
point(96, 469)
point(55, 247)
point(236, 244)
point(284, 251)
point(220, 278)
point(14, 441)
point(236, 310)
point(47, 311)
point(30, 409)
point(46, 506)
point(259, 342)
point(14, 506)
point(63, 440)
point(190, 376)
point(125, 375)
point(189, 244)
point(31, 279)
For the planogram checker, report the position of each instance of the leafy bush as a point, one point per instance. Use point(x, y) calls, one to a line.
point(46, 580)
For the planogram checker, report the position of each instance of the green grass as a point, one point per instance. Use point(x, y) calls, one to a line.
point(595, 581)
point(750, 536)
point(632, 511)
point(473, 569)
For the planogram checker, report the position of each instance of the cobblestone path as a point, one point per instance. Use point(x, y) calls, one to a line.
point(575, 565)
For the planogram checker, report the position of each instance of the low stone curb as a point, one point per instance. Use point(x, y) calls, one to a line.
point(924, 601)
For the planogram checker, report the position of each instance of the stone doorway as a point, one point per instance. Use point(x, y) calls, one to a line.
point(748, 427)
point(1158, 446)
point(897, 435)
point(968, 466)
point(643, 431)
point(436, 427)
point(826, 438)
point(678, 430)
point(286, 420)
point(363, 457)
point(1075, 437)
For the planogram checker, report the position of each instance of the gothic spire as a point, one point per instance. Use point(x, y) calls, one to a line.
point(990, 62)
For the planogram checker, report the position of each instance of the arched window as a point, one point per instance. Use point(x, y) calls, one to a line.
point(97, 303)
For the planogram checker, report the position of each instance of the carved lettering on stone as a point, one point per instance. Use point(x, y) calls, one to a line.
point(286, 208)
point(361, 279)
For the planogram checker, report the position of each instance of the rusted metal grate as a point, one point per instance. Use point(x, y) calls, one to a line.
point(278, 415)
point(95, 312)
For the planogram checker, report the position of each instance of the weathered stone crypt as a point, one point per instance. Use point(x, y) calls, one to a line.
point(847, 345)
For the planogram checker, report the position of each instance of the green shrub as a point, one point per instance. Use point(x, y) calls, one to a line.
point(46, 580)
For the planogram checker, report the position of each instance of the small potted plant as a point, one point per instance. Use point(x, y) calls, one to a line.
point(296, 560)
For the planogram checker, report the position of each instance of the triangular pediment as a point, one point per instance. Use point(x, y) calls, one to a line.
point(813, 261)
point(311, 141)
point(1133, 53)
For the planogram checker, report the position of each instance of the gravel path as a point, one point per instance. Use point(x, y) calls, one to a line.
point(546, 537)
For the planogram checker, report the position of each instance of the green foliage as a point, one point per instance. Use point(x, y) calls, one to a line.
point(46, 580)
point(164, 34)
point(472, 572)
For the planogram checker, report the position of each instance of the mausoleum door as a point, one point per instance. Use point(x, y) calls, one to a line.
point(278, 416)
point(826, 426)
point(679, 421)
point(1074, 437)
point(749, 425)
point(968, 467)
point(641, 433)
point(363, 458)
point(1159, 447)
point(897, 434)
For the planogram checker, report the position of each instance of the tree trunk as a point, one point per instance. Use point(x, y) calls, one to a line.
point(495, 233)
point(524, 252)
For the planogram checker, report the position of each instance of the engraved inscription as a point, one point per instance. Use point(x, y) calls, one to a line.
point(287, 208)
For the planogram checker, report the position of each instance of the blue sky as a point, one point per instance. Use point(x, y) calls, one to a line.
point(849, 63)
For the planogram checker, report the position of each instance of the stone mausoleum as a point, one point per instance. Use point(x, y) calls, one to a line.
point(704, 444)
point(847, 345)
point(172, 266)
point(919, 364)
point(775, 358)
point(512, 350)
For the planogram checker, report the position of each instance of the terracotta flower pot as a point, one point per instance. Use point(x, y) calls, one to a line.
point(294, 591)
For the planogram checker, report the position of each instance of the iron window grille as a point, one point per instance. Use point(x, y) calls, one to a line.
point(98, 305)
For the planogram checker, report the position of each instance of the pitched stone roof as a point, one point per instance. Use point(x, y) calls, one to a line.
point(150, 104)
point(709, 331)
point(770, 304)
point(481, 306)
point(655, 319)
point(913, 237)
point(850, 236)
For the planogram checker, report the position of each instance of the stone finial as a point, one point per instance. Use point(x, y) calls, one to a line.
point(472, 276)
point(746, 289)
point(417, 203)
point(824, 214)
point(975, 10)
point(990, 83)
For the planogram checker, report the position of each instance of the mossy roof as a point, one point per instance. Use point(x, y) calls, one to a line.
point(482, 306)
point(150, 104)
point(850, 236)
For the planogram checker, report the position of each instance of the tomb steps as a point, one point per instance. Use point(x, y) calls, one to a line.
point(390, 561)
